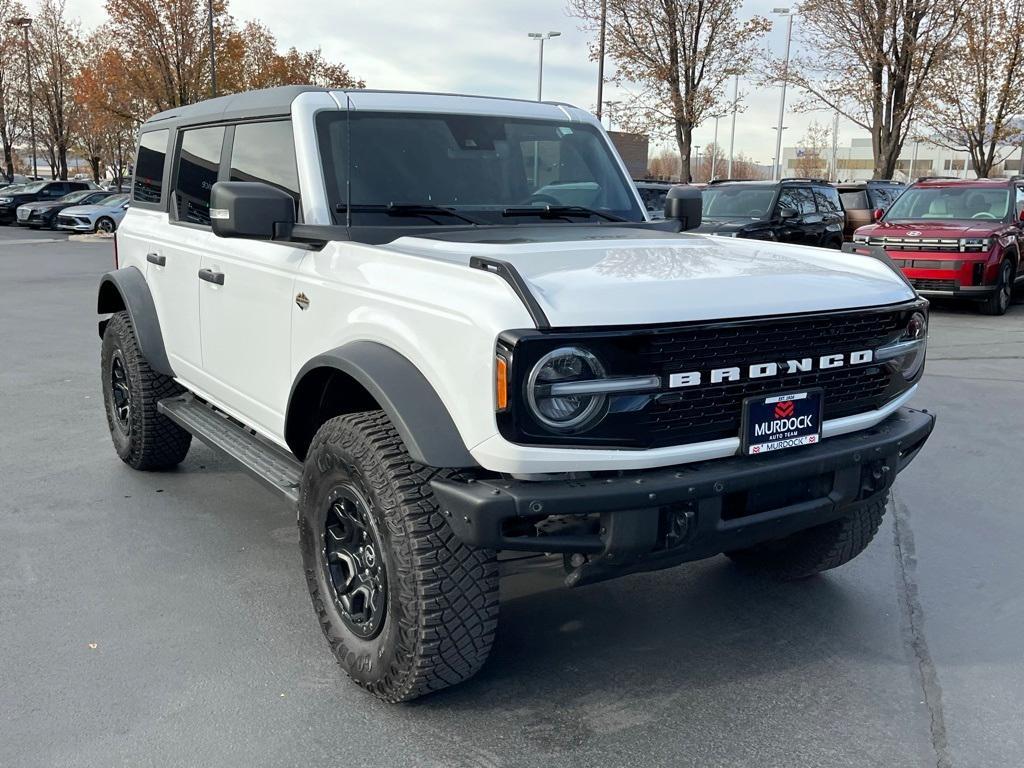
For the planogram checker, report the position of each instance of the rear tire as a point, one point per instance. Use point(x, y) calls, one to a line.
point(817, 549)
point(405, 606)
point(1000, 300)
point(144, 438)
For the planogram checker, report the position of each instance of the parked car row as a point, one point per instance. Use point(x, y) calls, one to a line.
point(952, 238)
point(72, 205)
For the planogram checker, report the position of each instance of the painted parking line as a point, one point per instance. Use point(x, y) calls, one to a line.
point(33, 242)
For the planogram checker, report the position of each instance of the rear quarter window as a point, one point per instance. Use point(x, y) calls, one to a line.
point(827, 199)
point(149, 168)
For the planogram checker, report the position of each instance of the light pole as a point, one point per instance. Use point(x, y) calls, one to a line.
point(611, 112)
point(25, 22)
point(540, 37)
point(835, 146)
point(732, 136)
point(714, 152)
point(600, 57)
point(777, 160)
point(782, 97)
point(213, 55)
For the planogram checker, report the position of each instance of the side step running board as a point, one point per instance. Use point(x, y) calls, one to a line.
point(273, 465)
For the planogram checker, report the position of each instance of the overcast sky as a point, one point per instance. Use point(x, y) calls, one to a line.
point(481, 47)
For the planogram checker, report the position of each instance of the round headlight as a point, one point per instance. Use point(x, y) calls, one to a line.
point(549, 389)
point(917, 330)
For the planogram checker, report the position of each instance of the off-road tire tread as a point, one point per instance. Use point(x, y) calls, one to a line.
point(156, 441)
point(448, 591)
point(817, 549)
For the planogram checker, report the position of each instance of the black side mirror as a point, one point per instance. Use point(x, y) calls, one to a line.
point(787, 213)
point(250, 209)
point(684, 204)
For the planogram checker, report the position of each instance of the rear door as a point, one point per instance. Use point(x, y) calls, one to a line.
point(246, 314)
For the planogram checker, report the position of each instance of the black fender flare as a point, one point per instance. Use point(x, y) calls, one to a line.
point(403, 393)
point(126, 289)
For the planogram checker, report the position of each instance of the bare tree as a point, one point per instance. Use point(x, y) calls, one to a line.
point(13, 100)
point(810, 160)
point(873, 61)
point(977, 91)
point(678, 55)
point(57, 57)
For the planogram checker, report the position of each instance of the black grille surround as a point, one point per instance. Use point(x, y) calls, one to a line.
point(685, 415)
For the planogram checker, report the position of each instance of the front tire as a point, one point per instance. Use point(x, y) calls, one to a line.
point(106, 225)
point(814, 550)
point(1000, 300)
point(406, 607)
point(143, 437)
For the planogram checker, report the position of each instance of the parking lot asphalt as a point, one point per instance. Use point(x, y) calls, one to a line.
point(162, 619)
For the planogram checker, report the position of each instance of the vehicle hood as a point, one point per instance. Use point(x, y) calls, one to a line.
point(38, 205)
point(589, 276)
point(89, 210)
point(931, 229)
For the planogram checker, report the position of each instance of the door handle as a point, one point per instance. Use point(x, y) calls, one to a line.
point(211, 277)
point(156, 258)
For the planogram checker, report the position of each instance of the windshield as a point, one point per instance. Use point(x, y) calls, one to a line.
point(12, 189)
point(479, 164)
point(737, 202)
point(951, 203)
point(112, 201)
point(74, 197)
point(31, 189)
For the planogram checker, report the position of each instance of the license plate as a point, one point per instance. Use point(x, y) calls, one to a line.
point(776, 422)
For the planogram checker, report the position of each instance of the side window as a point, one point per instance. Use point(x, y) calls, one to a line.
point(856, 200)
point(788, 199)
point(266, 152)
point(149, 167)
point(806, 200)
point(198, 165)
point(881, 197)
point(1019, 202)
point(827, 199)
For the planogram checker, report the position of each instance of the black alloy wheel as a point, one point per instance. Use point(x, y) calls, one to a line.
point(120, 393)
point(353, 558)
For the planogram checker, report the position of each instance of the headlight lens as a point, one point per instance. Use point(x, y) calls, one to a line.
point(908, 351)
point(566, 412)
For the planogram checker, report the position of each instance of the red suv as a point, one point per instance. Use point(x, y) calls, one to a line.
point(956, 238)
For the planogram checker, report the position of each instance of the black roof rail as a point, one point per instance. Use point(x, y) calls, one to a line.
point(726, 181)
point(937, 178)
point(884, 181)
point(804, 178)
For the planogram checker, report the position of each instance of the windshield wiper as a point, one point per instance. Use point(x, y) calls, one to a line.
point(406, 209)
point(559, 211)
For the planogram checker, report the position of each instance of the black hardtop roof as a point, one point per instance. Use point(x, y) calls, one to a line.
point(264, 102)
point(269, 102)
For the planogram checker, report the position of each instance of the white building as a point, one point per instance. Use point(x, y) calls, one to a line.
point(855, 162)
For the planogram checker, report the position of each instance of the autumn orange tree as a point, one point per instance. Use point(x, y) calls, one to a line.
point(873, 61)
point(977, 96)
point(678, 55)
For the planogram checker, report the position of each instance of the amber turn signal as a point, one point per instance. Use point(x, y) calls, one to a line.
point(500, 383)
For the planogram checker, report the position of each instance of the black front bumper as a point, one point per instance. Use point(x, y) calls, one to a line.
point(656, 518)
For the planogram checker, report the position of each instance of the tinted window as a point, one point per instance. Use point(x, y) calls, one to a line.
point(729, 202)
point(882, 197)
point(198, 164)
point(799, 199)
point(482, 164)
point(855, 201)
point(827, 199)
point(654, 199)
point(265, 152)
point(149, 167)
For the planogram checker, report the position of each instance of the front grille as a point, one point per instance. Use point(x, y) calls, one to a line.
point(692, 414)
point(916, 243)
point(923, 284)
point(710, 412)
point(66, 221)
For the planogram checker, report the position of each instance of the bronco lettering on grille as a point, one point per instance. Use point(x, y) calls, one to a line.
point(765, 370)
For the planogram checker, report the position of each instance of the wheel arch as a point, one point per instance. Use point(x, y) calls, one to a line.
point(125, 290)
point(364, 376)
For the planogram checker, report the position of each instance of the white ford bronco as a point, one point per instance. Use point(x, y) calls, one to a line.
point(445, 329)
